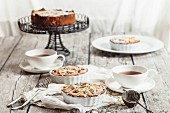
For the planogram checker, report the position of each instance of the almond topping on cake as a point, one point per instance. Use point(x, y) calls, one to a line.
point(124, 40)
point(84, 89)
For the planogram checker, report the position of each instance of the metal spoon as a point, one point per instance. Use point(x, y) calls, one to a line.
point(131, 99)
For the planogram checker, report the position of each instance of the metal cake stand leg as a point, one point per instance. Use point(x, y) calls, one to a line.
point(55, 43)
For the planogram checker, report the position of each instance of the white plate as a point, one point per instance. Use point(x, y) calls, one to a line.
point(24, 65)
point(147, 44)
point(147, 85)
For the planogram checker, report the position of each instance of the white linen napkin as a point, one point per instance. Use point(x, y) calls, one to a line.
point(57, 101)
point(46, 98)
point(98, 74)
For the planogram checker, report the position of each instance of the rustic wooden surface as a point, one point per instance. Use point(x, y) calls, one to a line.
point(14, 81)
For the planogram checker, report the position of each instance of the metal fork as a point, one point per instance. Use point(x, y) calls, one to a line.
point(42, 83)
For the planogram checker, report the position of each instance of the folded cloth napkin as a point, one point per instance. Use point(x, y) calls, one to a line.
point(51, 97)
point(56, 100)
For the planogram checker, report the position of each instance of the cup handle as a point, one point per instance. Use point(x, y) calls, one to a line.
point(63, 57)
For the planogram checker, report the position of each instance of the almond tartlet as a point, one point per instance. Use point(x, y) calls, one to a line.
point(86, 94)
point(124, 43)
point(69, 74)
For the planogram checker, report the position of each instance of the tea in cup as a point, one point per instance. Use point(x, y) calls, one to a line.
point(130, 76)
point(43, 58)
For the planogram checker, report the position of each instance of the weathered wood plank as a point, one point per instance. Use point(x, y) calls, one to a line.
point(109, 60)
point(78, 44)
point(157, 99)
point(27, 83)
point(7, 45)
point(13, 80)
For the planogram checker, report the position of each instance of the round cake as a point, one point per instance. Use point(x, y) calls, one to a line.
point(52, 18)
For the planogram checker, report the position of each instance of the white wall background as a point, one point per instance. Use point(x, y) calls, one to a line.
point(146, 17)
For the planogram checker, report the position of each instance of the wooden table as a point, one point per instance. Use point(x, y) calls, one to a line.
point(14, 81)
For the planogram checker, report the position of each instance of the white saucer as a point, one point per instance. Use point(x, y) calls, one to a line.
point(24, 65)
point(147, 85)
point(148, 44)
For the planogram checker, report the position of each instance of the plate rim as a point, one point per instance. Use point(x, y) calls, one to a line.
point(31, 71)
point(121, 91)
point(161, 45)
point(35, 71)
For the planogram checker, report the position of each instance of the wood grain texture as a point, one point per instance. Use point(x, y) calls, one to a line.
point(7, 83)
point(158, 98)
point(7, 44)
point(27, 81)
point(14, 81)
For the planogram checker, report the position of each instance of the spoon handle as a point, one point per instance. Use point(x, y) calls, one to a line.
point(145, 107)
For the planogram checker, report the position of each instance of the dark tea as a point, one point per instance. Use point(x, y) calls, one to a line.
point(42, 55)
point(130, 73)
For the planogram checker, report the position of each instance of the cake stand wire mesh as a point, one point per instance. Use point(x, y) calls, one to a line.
point(54, 41)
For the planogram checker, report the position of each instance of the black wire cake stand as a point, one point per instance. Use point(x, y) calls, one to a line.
point(55, 42)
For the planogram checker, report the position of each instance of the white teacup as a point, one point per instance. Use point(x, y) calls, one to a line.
point(130, 76)
point(43, 58)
